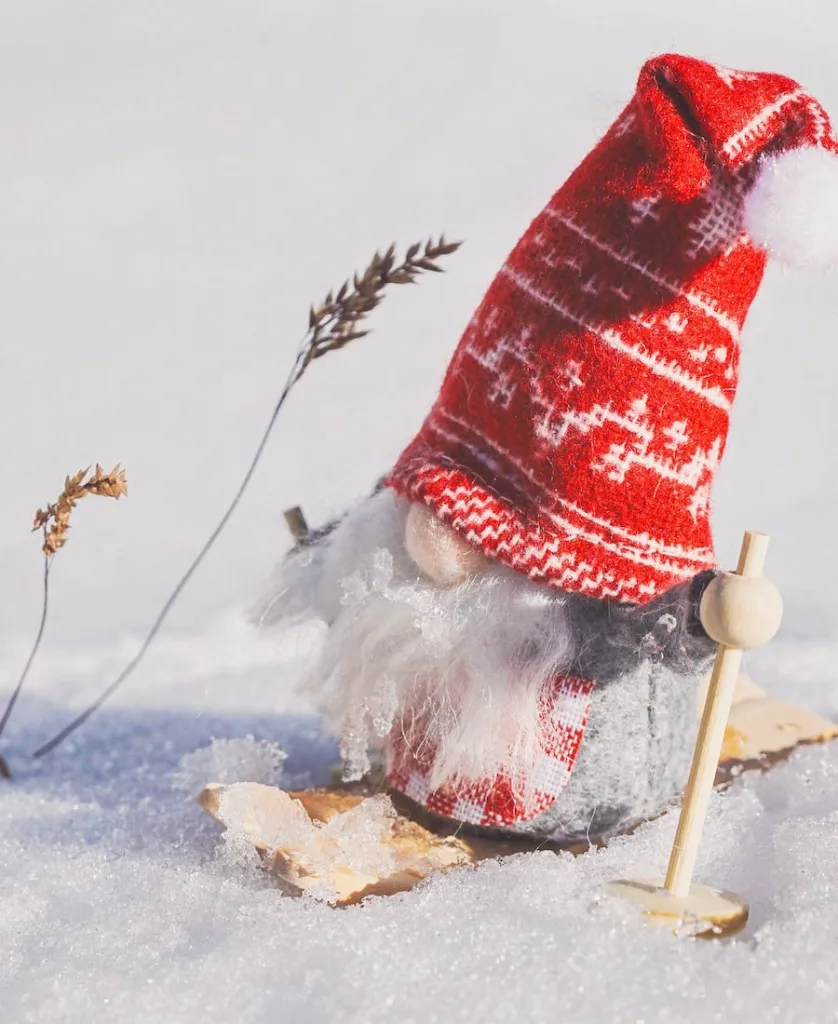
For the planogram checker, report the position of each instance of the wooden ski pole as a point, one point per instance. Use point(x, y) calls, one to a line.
point(738, 610)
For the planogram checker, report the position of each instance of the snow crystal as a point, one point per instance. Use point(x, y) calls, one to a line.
point(230, 760)
point(273, 821)
point(357, 835)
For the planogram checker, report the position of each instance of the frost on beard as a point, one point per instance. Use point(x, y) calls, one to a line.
point(456, 670)
point(376, 712)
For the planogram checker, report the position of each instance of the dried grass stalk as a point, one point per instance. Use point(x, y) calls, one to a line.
point(335, 322)
point(331, 326)
point(54, 522)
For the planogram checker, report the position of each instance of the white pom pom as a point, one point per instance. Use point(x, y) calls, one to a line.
point(792, 210)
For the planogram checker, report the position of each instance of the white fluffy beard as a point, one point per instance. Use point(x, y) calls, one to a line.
point(458, 671)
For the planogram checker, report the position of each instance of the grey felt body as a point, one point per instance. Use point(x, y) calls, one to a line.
point(635, 756)
point(647, 663)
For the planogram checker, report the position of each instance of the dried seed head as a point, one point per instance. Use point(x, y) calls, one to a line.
point(334, 323)
point(54, 520)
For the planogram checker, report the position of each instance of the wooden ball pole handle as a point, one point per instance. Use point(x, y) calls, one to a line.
point(710, 738)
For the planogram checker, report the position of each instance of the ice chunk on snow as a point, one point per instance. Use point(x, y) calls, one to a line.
point(358, 834)
point(325, 853)
point(228, 761)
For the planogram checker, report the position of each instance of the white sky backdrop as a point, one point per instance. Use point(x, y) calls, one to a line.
point(179, 180)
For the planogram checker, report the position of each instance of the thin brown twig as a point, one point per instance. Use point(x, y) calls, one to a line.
point(331, 326)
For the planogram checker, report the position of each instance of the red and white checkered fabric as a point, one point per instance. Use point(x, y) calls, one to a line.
point(586, 409)
point(518, 792)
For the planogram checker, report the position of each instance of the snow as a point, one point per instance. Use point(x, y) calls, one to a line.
point(230, 761)
point(178, 183)
point(349, 844)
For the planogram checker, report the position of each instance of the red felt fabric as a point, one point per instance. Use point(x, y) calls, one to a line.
point(586, 408)
point(519, 791)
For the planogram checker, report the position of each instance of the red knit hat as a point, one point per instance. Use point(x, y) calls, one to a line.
point(585, 411)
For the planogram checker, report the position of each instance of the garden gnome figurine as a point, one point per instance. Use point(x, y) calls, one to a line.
point(513, 616)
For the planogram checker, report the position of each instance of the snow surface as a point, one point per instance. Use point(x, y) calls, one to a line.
point(177, 183)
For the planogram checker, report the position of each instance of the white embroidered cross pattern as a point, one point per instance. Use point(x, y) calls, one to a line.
point(625, 124)
point(645, 209)
point(730, 76)
point(720, 224)
point(502, 360)
point(686, 466)
point(622, 458)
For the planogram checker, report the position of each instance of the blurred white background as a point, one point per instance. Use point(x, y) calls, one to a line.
point(179, 181)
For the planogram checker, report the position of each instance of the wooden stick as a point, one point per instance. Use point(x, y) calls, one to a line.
point(710, 738)
point(296, 523)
